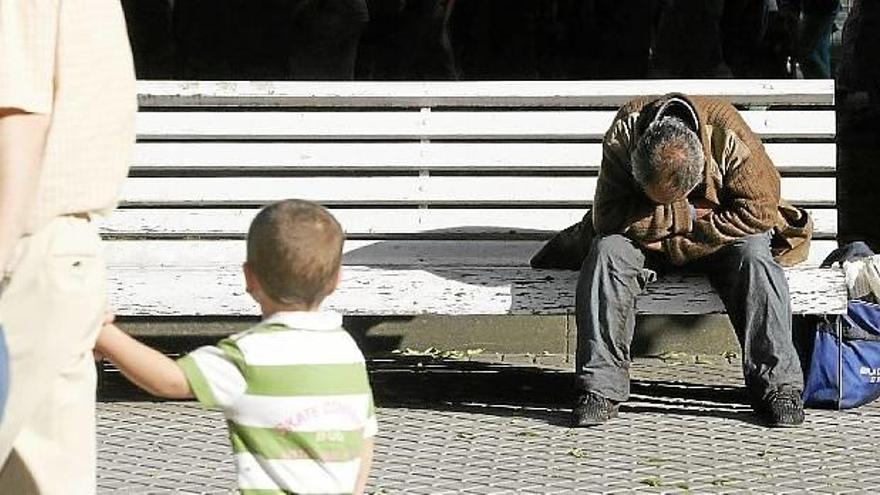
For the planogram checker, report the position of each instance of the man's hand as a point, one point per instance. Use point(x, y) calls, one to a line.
point(702, 208)
point(653, 246)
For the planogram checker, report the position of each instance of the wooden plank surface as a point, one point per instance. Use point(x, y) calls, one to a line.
point(446, 190)
point(361, 222)
point(199, 254)
point(472, 93)
point(566, 125)
point(562, 157)
point(444, 291)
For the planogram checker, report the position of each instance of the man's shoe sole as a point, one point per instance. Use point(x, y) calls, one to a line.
point(771, 424)
point(768, 422)
point(783, 426)
point(581, 423)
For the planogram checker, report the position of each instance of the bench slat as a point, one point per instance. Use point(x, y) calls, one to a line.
point(444, 291)
point(448, 271)
point(569, 125)
point(370, 221)
point(788, 157)
point(485, 190)
point(148, 254)
point(473, 93)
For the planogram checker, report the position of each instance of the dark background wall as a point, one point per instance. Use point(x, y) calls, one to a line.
point(529, 39)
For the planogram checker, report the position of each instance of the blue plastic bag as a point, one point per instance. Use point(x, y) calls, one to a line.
point(844, 370)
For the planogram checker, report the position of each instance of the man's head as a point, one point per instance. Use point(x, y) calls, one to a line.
point(668, 160)
point(294, 251)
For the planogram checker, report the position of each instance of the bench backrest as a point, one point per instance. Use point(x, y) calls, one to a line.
point(420, 174)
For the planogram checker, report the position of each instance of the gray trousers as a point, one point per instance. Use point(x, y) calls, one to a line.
point(750, 282)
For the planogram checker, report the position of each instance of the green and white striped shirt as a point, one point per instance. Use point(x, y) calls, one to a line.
point(296, 396)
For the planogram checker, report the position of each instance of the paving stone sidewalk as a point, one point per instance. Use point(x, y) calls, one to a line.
point(493, 426)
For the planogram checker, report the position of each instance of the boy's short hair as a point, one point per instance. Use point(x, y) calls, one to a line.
point(294, 247)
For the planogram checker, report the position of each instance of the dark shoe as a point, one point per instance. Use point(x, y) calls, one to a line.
point(782, 409)
point(592, 409)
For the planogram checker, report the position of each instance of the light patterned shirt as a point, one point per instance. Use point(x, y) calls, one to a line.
point(297, 399)
point(71, 60)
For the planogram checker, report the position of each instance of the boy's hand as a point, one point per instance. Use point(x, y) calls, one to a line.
point(146, 367)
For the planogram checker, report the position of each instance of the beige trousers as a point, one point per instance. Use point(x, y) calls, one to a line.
point(51, 310)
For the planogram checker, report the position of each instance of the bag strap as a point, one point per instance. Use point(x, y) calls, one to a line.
point(838, 328)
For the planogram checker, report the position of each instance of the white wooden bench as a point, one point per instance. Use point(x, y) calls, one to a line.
point(445, 189)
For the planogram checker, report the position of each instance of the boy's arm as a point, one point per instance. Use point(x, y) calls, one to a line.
point(366, 464)
point(146, 367)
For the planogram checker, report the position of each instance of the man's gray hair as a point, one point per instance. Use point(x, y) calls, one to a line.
point(668, 155)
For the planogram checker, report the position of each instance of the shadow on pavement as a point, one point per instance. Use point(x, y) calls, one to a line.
point(520, 390)
point(423, 382)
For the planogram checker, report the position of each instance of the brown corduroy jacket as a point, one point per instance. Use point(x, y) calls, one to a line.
point(740, 182)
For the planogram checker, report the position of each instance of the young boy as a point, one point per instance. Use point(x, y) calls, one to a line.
point(294, 388)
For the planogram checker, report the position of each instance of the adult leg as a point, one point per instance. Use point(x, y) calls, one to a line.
point(744, 26)
point(866, 52)
point(202, 29)
point(688, 41)
point(261, 46)
point(377, 56)
point(569, 40)
point(770, 58)
point(814, 45)
point(324, 37)
point(151, 34)
point(415, 44)
point(51, 311)
point(425, 28)
point(755, 292)
point(495, 39)
point(625, 28)
point(612, 275)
